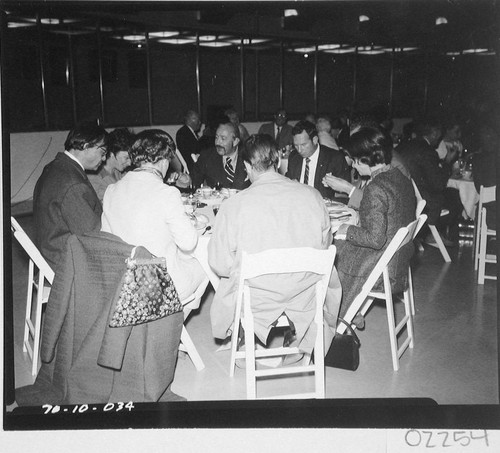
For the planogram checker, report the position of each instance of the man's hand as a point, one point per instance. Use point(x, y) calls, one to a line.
point(337, 184)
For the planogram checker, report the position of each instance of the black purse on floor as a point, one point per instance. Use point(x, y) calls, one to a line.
point(344, 350)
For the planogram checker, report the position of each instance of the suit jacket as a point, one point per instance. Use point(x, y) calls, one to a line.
point(64, 203)
point(210, 169)
point(187, 145)
point(329, 161)
point(83, 359)
point(388, 204)
point(263, 217)
point(285, 137)
point(430, 175)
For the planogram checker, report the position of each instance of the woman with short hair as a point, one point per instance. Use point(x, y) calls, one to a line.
point(142, 210)
point(388, 204)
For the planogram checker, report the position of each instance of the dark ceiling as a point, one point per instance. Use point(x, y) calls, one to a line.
point(396, 23)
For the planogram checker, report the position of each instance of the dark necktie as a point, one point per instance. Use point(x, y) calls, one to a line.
point(278, 130)
point(229, 170)
point(306, 172)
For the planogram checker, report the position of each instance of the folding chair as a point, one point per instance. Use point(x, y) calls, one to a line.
point(279, 261)
point(187, 344)
point(40, 278)
point(434, 231)
point(486, 195)
point(365, 298)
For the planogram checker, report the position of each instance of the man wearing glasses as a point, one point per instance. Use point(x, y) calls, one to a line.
point(280, 130)
point(64, 201)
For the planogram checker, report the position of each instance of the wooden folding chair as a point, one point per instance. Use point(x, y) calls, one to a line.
point(486, 195)
point(365, 298)
point(277, 261)
point(40, 278)
point(186, 345)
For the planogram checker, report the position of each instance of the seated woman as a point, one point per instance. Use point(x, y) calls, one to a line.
point(142, 210)
point(388, 204)
point(118, 143)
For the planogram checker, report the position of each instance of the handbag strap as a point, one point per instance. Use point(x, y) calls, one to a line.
point(350, 330)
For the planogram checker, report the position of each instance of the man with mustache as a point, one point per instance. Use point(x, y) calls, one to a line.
point(222, 165)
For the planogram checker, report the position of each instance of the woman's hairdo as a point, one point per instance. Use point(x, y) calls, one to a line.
point(261, 152)
point(120, 139)
point(371, 145)
point(151, 146)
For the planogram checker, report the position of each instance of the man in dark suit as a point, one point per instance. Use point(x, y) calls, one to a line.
point(309, 162)
point(186, 138)
point(222, 165)
point(431, 175)
point(64, 201)
point(279, 130)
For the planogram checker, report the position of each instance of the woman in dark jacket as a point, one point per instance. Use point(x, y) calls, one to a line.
point(388, 204)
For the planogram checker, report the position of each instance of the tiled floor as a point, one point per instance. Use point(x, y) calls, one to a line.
point(454, 361)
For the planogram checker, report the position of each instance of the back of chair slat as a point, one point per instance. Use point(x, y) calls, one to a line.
point(487, 195)
point(30, 248)
point(279, 261)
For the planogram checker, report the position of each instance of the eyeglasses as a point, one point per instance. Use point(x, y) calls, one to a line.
point(103, 149)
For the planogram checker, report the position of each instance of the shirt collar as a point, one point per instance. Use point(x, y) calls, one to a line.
point(74, 158)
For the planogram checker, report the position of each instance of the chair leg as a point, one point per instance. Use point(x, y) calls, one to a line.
point(234, 340)
point(37, 326)
point(482, 254)
point(191, 349)
point(407, 299)
point(29, 302)
point(391, 321)
point(439, 242)
point(249, 352)
point(477, 239)
point(410, 292)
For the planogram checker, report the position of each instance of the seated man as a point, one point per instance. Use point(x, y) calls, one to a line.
point(64, 201)
point(222, 165)
point(274, 212)
point(431, 176)
point(280, 130)
point(309, 162)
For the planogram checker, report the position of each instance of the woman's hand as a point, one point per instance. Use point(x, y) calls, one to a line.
point(183, 181)
point(337, 184)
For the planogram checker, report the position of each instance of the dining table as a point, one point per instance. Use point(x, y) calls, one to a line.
point(467, 191)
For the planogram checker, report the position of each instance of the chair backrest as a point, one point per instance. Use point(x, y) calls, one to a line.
point(32, 251)
point(420, 201)
point(287, 260)
point(486, 195)
point(401, 238)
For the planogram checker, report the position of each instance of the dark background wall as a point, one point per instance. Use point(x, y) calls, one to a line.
point(407, 83)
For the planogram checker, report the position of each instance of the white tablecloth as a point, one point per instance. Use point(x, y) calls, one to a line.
point(468, 195)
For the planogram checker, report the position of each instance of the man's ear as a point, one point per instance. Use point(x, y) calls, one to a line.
point(315, 140)
point(236, 141)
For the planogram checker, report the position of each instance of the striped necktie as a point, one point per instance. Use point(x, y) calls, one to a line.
point(306, 172)
point(229, 170)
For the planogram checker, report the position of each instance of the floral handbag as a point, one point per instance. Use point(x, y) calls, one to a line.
point(147, 293)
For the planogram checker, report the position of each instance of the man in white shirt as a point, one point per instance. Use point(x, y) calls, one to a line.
point(309, 162)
